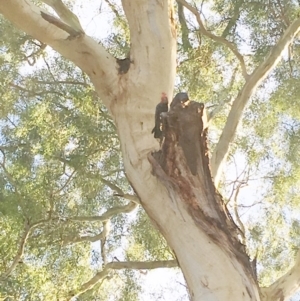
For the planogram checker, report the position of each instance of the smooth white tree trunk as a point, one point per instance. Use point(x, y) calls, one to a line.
point(185, 207)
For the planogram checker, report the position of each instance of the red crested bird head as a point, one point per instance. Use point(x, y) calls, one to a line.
point(164, 98)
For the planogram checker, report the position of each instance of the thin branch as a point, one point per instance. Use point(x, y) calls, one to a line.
point(112, 186)
point(64, 82)
point(218, 39)
point(65, 14)
point(120, 193)
point(233, 20)
point(184, 28)
point(35, 53)
point(66, 183)
point(114, 10)
point(131, 197)
point(222, 103)
point(236, 213)
point(34, 93)
point(286, 286)
point(219, 108)
point(65, 27)
point(106, 230)
point(107, 215)
point(220, 153)
point(8, 175)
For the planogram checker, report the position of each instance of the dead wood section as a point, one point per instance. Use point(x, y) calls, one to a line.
point(182, 165)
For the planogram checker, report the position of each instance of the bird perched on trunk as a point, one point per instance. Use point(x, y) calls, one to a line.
point(162, 107)
point(180, 98)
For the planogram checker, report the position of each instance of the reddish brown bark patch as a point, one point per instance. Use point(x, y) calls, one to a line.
point(182, 165)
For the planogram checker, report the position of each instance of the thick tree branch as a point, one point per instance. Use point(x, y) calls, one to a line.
point(87, 54)
point(153, 22)
point(236, 213)
point(141, 265)
point(287, 285)
point(108, 214)
point(233, 20)
point(105, 232)
point(119, 265)
point(255, 79)
point(218, 39)
point(20, 253)
point(120, 193)
point(131, 197)
point(90, 284)
point(112, 186)
point(90, 238)
point(184, 28)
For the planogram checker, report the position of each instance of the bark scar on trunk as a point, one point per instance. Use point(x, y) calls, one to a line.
point(182, 165)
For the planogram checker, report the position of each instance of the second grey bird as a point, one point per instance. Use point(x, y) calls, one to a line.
point(179, 98)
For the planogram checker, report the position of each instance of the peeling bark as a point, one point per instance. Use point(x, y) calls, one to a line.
point(182, 165)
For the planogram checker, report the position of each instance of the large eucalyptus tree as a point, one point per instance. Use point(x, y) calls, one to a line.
point(178, 195)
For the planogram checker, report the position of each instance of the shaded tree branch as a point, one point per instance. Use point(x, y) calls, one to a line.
point(20, 253)
point(65, 14)
point(89, 284)
point(91, 238)
point(218, 39)
point(285, 286)
point(220, 153)
point(119, 265)
point(63, 26)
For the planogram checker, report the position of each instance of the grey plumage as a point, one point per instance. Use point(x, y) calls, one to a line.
point(179, 98)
